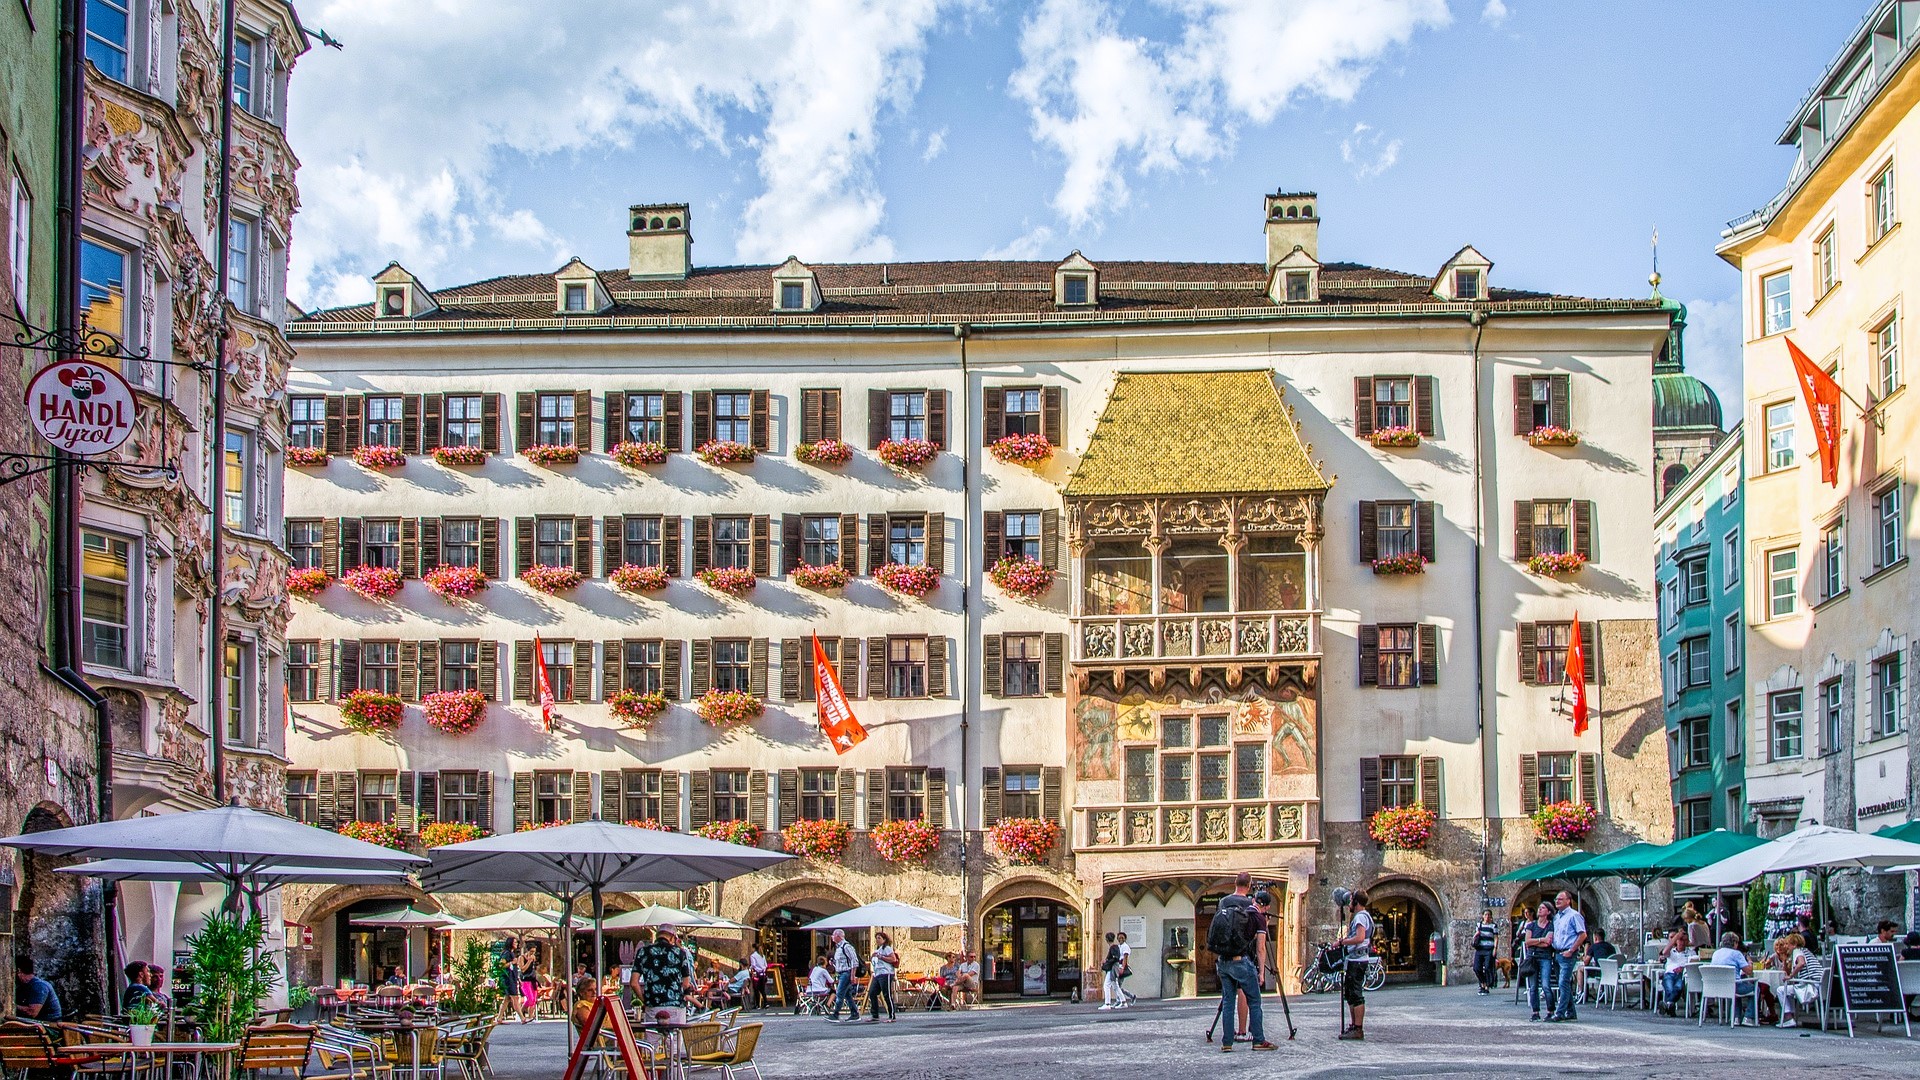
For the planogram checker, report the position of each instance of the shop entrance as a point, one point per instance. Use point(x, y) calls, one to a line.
point(1031, 949)
point(792, 949)
point(1404, 926)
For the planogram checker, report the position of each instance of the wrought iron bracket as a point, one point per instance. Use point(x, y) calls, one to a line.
point(86, 341)
point(21, 466)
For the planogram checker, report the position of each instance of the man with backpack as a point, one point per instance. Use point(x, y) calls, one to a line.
point(846, 965)
point(1233, 938)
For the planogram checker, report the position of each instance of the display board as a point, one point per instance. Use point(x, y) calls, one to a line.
point(1869, 976)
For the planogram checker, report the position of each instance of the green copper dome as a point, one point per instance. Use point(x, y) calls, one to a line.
point(1682, 401)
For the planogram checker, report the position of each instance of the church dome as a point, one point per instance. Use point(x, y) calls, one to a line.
point(1682, 401)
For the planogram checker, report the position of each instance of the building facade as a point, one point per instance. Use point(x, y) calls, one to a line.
point(1224, 554)
point(1830, 600)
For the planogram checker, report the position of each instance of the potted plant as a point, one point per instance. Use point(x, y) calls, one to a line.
point(726, 452)
point(907, 453)
point(1023, 449)
point(1551, 435)
point(455, 712)
point(637, 711)
point(637, 454)
point(460, 455)
point(916, 581)
point(231, 973)
point(1565, 822)
point(1555, 563)
point(1405, 827)
point(378, 458)
point(631, 578)
point(652, 824)
point(307, 581)
point(142, 1017)
point(1025, 841)
point(1407, 562)
point(815, 838)
point(441, 833)
point(905, 841)
point(471, 976)
point(825, 453)
point(373, 582)
point(551, 580)
point(551, 453)
point(384, 833)
point(1396, 436)
point(744, 833)
point(371, 712)
point(307, 457)
point(823, 577)
point(731, 580)
point(1017, 575)
point(301, 1000)
point(455, 582)
point(729, 708)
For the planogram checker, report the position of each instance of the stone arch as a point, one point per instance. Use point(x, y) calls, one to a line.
point(796, 892)
point(338, 898)
point(55, 917)
point(1421, 904)
point(1029, 887)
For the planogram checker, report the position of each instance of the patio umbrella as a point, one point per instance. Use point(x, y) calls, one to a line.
point(1821, 849)
point(407, 919)
point(1546, 868)
point(156, 870)
point(1632, 864)
point(518, 918)
point(883, 913)
point(661, 915)
point(1908, 831)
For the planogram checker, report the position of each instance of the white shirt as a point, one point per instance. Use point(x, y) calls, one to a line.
point(818, 981)
point(884, 960)
point(845, 958)
point(1126, 952)
point(756, 962)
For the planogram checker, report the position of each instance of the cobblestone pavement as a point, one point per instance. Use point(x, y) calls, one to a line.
point(1414, 1032)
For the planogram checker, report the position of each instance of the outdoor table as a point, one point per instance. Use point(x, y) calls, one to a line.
point(676, 1047)
point(396, 1028)
point(1642, 972)
point(197, 1050)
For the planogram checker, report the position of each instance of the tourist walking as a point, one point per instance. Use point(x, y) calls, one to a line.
point(1110, 974)
point(846, 964)
point(885, 962)
point(1126, 997)
point(1231, 939)
point(1359, 945)
point(1569, 938)
point(1485, 937)
point(1537, 936)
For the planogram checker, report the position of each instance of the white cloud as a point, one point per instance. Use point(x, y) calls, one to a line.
point(936, 145)
point(1494, 13)
point(1369, 151)
point(1112, 104)
point(1036, 242)
point(406, 131)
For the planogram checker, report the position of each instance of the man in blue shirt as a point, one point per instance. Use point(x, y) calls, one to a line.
point(1569, 937)
point(33, 997)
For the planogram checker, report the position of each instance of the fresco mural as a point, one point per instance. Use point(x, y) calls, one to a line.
point(1288, 719)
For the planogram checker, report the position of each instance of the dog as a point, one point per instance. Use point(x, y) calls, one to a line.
point(1505, 968)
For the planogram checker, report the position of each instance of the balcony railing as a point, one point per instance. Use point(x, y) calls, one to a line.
point(1195, 825)
point(1213, 636)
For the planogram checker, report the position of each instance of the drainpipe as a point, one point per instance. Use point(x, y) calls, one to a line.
point(965, 560)
point(1477, 319)
point(217, 438)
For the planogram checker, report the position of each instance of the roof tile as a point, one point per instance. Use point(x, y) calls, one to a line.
point(1194, 433)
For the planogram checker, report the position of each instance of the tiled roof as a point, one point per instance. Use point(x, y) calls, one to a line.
point(927, 294)
point(1194, 433)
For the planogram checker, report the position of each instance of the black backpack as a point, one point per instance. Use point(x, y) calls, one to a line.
point(1231, 932)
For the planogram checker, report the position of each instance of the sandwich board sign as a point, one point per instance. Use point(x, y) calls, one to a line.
point(1869, 975)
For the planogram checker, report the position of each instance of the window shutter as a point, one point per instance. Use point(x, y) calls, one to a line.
point(406, 799)
point(583, 423)
point(993, 415)
point(757, 797)
point(1369, 787)
point(850, 543)
point(876, 797)
point(582, 796)
point(490, 670)
point(346, 787)
point(582, 670)
point(1522, 404)
point(991, 677)
point(429, 797)
point(700, 807)
point(937, 798)
point(670, 653)
point(761, 555)
point(612, 805)
point(490, 423)
point(583, 546)
point(490, 546)
point(523, 405)
point(329, 652)
point(1590, 651)
point(670, 544)
point(1430, 784)
point(325, 796)
point(1529, 783)
point(522, 799)
point(992, 537)
point(1050, 539)
point(877, 427)
point(432, 430)
point(702, 418)
point(1369, 655)
point(849, 661)
point(1369, 532)
point(330, 547)
point(1423, 386)
point(1055, 667)
point(523, 671)
point(812, 409)
point(1429, 672)
point(671, 419)
point(670, 798)
point(702, 542)
point(409, 671)
point(876, 541)
point(1053, 415)
point(429, 667)
point(1423, 515)
point(1560, 400)
point(350, 554)
point(1522, 531)
point(1583, 528)
point(877, 667)
point(1529, 654)
point(760, 425)
point(336, 425)
point(353, 428)
point(1590, 780)
point(937, 666)
point(790, 668)
point(757, 668)
point(790, 540)
point(990, 792)
point(409, 547)
point(615, 431)
point(346, 667)
point(937, 417)
point(830, 414)
point(702, 667)
point(937, 543)
point(789, 780)
point(843, 796)
point(522, 545)
point(613, 667)
point(1051, 795)
point(1362, 407)
point(613, 539)
point(430, 556)
point(410, 424)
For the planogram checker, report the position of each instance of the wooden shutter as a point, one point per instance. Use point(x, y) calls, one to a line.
point(1430, 783)
point(993, 409)
point(877, 667)
point(878, 402)
point(583, 546)
point(937, 796)
point(1362, 406)
point(409, 671)
point(1052, 802)
point(830, 414)
point(582, 671)
point(757, 668)
point(522, 799)
point(700, 807)
point(1522, 404)
point(757, 797)
point(583, 420)
point(350, 553)
point(409, 547)
point(790, 668)
point(843, 796)
point(1590, 651)
point(430, 555)
point(848, 661)
point(937, 417)
point(490, 423)
point(670, 421)
point(1590, 779)
point(670, 652)
point(329, 663)
point(702, 667)
point(429, 667)
point(522, 544)
point(813, 407)
point(937, 666)
point(992, 651)
point(615, 431)
point(429, 796)
point(1560, 400)
point(523, 419)
point(485, 799)
point(432, 422)
point(876, 797)
point(790, 541)
point(612, 805)
point(523, 671)
point(1529, 653)
point(1428, 673)
point(670, 544)
point(876, 541)
point(1423, 386)
point(582, 795)
point(992, 537)
point(336, 439)
point(490, 546)
point(1052, 415)
point(990, 792)
point(613, 542)
point(1582, 514)
point(1369, 787)
point(1369, 531)
point(1529, 783)
point(325, 796)
point(490, 670)
point(760, 426)
point(789, 799)
point(1369, 655)
point(670, 798)
point(937, 543)
point(1522, 531)
point(1050, 539)
point(702, 542)
point(761, 556)
point(410, 424)
point(613, 667)
point(346, 787)
point(850, 543)
point(346, 667)
point(702, 418)
point(1423, 515)
point(353, 428)
point(405, 802)
point(330, 546)
point(1055, 667)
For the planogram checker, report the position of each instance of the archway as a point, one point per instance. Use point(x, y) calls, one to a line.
point(778, 916)
point(365, 954)
point(1030, 946)
point(1407, 915)
point(54, 918)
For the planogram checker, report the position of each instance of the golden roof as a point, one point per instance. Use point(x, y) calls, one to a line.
point(1194, 433)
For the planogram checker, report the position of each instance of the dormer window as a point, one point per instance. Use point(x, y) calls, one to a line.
point(393, 301)
point(397, 294)
point(1076, 283)
point(795, 289)
point(1299, 286)
point(1463, 278)
point(793, 296)
point(576, 298)
point(1073, 289)
point(1466, 284)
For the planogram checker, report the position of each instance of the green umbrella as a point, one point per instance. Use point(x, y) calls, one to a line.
point(1703, 850)
point(1910, 832)
point(1547, 868)
point(1632, 862)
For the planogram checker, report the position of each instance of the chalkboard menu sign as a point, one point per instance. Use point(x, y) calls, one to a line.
point(1869, 979)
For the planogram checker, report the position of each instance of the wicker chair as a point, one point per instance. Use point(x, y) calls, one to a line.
point(732, 1060)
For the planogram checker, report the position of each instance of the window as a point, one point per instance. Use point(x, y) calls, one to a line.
point(1833, 560)
point(460, 797)
point(307, 422)
point(553, 541)
point(1139, 774)
point(1021, 412)
point(1886, 355)
point(820, 540)
point(1696, 661)
point(1783, 724)
point(246, 51)
point(1695, 817)
point(380, 666)
point(1776, 302)
point(393, 301)
point(461, 425)
point(1881, 205)
point(236, 480)
point(1783, 582)
point(1824, 274)
point(1694, 573)
point(106, 616)
point(729, 795)
point(104, 304)
point(576, 298)
point(1399, 782)
point(640, 541)
point(1734, 737)
point(110, 37)
point(1551, 641)
point(1889, 539)
point(640, 795)
point(1730, 642)
point(1299, 286)
point(20, 233)
point(646, 419)
point(380, 542)
point(1553, 526)
point(1393, 528)
point(1555, 778)
point(558, 658)
point(1073, 288)
point(1779, 423)
point(1176, 777)
point(553, 419)
point(1020, 534)
point(552, 797)
point(1020, 792)
point(384, 417)
point(1889, 696)
point(1466, 284)
point(236, 670)
point(1392, 403)
point(1540, 399)
point(819, 796)
point(306, 542)
point(1832, 722)
point(1730, 557)
point(733, 417)
point(907, 667)
point(731, 664)
point(460, 541)
point(1213, 776)
point(303, 797)
point(459, 665)
point(1696, 739)
point(640, 662)
point(1020, 665)
point(303, 671)
point(1396, 655)
point(907, 540)
point(907, 415)
point(906, 794)
point(1249, 771)
point(733, 542)
point(241, 239)
point(793, 295)
point(379, 796)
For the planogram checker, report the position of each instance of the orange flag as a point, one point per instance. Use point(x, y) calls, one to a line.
point(542, 688)
point(1577, 675)
point(836, 716)
point(1823, 404)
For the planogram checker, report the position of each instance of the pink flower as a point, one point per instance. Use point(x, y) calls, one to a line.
point(307, 580)
point(728, 708)
point(631, 578)
point(1395, 436)
point(744, 833)
point(455, 712)
point(725, 452)
point(307, 456)
point(904, 841)
point(915, 581)
point(1406, 563)
point(371, 712)
point(373, 582)
point(460, 455)
point(1020, 576)
point(384, 833)
point(379, 457)
point(1025, 841)
point(550, 579)
point(635, 710)
point(815, 838)
point(635, 454)
point(907, 453)
point(551, 453)
point(1405, 827)
point(1565, 822)
point(455, 582)
point(1549, 563)
point(1549, 435)
point(731, 580)
point(1023, 449)
point(824, 452)
point(826, 576)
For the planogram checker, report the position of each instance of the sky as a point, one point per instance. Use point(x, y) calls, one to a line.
point(472, 138)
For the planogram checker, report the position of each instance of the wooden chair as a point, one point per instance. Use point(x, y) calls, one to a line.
point(281, 1048)
point(735, 1059)
point(27, 1048)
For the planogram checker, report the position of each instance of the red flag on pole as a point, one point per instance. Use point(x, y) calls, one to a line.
point(836, 716)
point(1823, 404)
point(542, 688)
point(1577, 675)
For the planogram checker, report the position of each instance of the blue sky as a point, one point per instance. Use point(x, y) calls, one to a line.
point(468, 138)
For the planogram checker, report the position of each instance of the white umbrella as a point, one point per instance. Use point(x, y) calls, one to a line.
point(660, 915)
point(883, 913)
point(513, 919)
point(1815, 847)
point(406, 919)
point(156, 870)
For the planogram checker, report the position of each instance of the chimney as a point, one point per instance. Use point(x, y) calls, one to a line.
point(659, 241)
point(1292, 222)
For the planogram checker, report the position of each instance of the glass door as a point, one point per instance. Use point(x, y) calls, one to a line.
point(1036, 959)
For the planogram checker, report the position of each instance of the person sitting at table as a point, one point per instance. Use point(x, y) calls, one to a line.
point(1910, 947)
point(942, 983)
point(1674, 957)
point(1597, 948)
point(394, 977)
point(137, 989)
point(1745, 999)
point(155, 976)
point(34, 998)
point(1804, 970)
point(966, 983)
point(1885, 932)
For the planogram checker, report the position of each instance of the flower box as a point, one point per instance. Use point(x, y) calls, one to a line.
point(455, 582)
point(826, 452)
point(455, 712)
point(729, 708)
point(637, 711)
point(460, 455)
point(1409, 563)
point(915, 581)
point(907, 453)
point(1555, 563)
point(1025, 841)
point(1552, 436)
point(536, 826)
point(1395, 437)
point(631, 578)
point(731, 580)
point(650, 824)
point(307, 457)
point(379, 457)
point(1405, 827)
point(828, 576)
point(726, 452)
point(551, 453)
point(1017, 575)
point(384, 833)
point(307, 581)
point(551, 579)
point(636, 454)
point(371, 712)
point(1023, 449)
point(904, 841)
point(815, 838)
point(373, 582)
point(441, 833)
point(744, 833)
point(1565, 822)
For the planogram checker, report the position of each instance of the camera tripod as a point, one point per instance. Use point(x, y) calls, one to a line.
point(1220, 1010)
